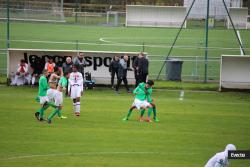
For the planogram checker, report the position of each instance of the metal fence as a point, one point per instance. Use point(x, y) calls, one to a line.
point(88, 14)
point(110, 15)
point(193, 67)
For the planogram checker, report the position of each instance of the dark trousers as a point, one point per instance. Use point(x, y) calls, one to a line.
point(124, 79)
point(113, 73)
point(137, 78)
point(143, 77)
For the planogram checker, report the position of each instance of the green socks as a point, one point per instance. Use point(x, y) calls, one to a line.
point(59, 113)
point(129, 113)
point(53, 113)
point(45, 107)
point(155, 118)
point(142, 111)
point(41, 110)
point(154, 111)
point(149, 111)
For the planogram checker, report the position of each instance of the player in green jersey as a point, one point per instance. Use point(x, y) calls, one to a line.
point(42, 96)
point(151, 101)
point(142, 91)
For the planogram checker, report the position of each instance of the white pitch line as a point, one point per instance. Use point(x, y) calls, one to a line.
point(104, 39)
point(91, 153)
point(200, 38)
point(110, 43)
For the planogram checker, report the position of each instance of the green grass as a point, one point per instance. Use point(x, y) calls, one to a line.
point(188, 134)
point(186, 85)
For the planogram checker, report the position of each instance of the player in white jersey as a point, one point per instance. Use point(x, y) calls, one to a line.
point(75, 89)
point(53, 80)
point(58, 98)
point(221, 159)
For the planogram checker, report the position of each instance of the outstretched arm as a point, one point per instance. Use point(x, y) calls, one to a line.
point(211, 162)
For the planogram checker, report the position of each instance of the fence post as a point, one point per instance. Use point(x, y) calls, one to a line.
point(8, 24)
point(75, 17)
point(77, 44)
point(206, 45)
point(143, 47)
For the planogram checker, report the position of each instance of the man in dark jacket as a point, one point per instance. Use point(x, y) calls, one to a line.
point(67, 66)
point(135, 67)
point(80, 63)
point(122, 73)
point(143, 68)
point(113, 69)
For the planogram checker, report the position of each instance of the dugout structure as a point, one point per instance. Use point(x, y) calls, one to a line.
point(155, 16)
point(97, 62)
point(234, 72)
point(239, 17)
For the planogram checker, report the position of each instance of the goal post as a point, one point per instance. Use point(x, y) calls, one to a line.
point(248, 22)
point(115, 18)
point(155, 16)
point(239, 17)
point(234, 72)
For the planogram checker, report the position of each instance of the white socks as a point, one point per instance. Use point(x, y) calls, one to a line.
point(77, 107)
point(33, 79)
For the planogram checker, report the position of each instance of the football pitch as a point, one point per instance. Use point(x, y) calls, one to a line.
point(188, 134)
point(155, 41)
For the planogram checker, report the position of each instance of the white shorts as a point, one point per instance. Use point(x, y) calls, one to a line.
point(58, 98)
point(138, 103)
point(51, 93)
point(75, 92)
point(43, 99)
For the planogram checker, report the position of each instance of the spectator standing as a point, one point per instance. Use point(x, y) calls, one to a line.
point(67, 66)
point(113, 69)
point(80, 63)
point(143, 68)
point(122, 73)
point(135, 67)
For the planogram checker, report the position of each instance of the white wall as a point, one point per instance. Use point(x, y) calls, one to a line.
point(235, 72)
point(217, 8)
point(239, 18)
point(155, 16)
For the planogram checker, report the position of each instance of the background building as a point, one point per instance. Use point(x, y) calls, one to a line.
point(217, 8)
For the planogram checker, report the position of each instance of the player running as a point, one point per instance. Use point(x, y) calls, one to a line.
point(75, 89)
point(141, 93)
